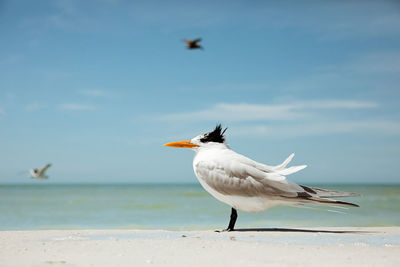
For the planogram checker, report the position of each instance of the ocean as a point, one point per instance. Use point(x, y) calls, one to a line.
point(176, 207)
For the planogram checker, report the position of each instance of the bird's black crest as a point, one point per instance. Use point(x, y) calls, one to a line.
point(215, 136)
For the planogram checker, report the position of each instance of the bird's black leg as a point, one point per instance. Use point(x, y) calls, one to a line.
point(231, 226)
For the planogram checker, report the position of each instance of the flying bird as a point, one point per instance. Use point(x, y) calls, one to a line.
point(193, 44)
point(40, 174)
point(247, 185)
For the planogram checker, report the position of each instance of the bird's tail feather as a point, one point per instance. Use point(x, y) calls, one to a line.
point(326, 193)
point(285, 162)
point(282, 170)
point(326, 201)
point(291, 170)
point(301, 205)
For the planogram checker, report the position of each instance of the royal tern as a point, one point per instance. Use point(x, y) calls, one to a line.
point(40, 174)
point(193, 44)
point(247, 185)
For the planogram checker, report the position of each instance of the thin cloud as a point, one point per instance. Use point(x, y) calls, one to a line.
point(2, 112)
point(64, 15)
point(11, 60)
point(345, 20)
point(252, 112)
point(377, 63)
point(33, 107)
point(94, 93)
point(329, 20)
point(75, 106)
point(319, 128)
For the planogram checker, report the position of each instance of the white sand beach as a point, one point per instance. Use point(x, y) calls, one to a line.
point(373, 246)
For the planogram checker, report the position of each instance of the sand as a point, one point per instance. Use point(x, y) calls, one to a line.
point(374, 246)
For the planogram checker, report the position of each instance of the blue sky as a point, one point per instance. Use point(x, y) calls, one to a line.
point(97, 87)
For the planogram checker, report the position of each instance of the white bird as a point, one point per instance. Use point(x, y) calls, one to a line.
point(40, 174)
point(247, 185)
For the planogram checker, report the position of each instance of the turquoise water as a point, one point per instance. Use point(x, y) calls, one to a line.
point(175, 207)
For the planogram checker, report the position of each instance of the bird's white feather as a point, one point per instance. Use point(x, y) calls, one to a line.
point(41, 174)
point(248, 185)
point(285, 162)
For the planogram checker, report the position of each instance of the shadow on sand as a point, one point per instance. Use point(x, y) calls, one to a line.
point(288, 230)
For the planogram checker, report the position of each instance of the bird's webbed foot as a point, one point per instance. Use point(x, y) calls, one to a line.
point(225, 230)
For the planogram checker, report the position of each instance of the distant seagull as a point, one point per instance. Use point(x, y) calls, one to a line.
point(247, 185)
point(40, 174)
point(193, 44)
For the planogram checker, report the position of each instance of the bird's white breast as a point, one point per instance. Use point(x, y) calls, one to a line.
point(239, 202)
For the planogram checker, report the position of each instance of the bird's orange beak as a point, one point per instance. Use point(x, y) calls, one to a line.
point(186, 144)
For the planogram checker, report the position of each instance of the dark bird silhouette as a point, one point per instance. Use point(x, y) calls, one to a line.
point(193, 44)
